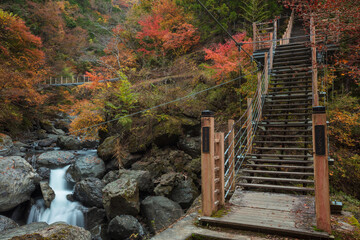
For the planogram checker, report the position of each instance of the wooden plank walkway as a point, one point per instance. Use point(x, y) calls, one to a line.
point(278, 213)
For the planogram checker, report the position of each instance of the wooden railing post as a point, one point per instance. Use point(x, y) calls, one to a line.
point(231, 154)
point(271, 50)
point(219, 171)
point(255, 36)
point(314, 63)
point(259, 75)
point(266, 71)
point(249, 125)
point(321, 169)
point(207, 163)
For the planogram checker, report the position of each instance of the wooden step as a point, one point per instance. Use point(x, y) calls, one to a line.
point(288, 100)
point(287, 130)
point(287, 96)
point(282, 148)
point(279, 155)
point(290, 79)
point(287, 120)
point(291, 75)
point(294, 62)
point(291, 67)
point(285, 125)
point(280, 166)
point(287, 109)
point(286, 114)
point(289, 105)
point(278, 172)
point(269, 179)
point(286, 161)
point(284, 136)
point(289, 54)
point(282, 142)
point(291, 83)
point(289, 87)
point(290, 92)
point(296, 51)
point(277, 187)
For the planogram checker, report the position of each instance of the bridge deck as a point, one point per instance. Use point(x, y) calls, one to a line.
point(283, 214)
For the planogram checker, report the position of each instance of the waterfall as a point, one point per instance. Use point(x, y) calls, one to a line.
point(61, 208)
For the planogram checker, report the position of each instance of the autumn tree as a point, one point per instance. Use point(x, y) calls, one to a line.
point(21, 68)
point(166, 29)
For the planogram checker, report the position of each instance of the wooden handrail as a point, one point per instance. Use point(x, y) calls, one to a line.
point(314, 63)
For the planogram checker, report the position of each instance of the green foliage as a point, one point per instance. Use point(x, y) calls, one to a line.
point(254, 10)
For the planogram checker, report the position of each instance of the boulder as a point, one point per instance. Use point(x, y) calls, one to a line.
point(89, 192)
point(94, 217)
point(167, 182)
point(130, 159)
point(161, 161)
point(68, 143)
point(44, 173)
point(56, 158)
point(47, 192)
point(6, 145)
point(7, 223)
point(84, 167)
point(190, 145)
point(184, 193)
point(160, 212)
point(143, 179)
point(121, 197)
point(44, 231)
point(193, 170)
point(47, 142)
point(106, 149)
point(110, 177)
point(125, 227)
point(16, 171)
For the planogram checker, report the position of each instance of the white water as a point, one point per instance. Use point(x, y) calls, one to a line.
point(60, 209)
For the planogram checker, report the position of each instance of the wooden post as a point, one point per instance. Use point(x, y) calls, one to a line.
point(249, 125)
point(231, 155)
point(314, 63)
point(219, 171)
point(321, 169)
point(255, 36)
point(271, 51)
point(266, 72)
point(207, 163)
point(259, 75)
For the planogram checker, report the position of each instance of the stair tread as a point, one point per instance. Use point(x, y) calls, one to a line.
point(281, 161)
point(280, 155)
point(289, 87)
point(290, 83)
point(276, 187)
point(289, 92)
point(295, 121)
point(287, 114)
point(290, 79)
point(286, 125)
point(282, 148)
point(289, 105)
point(284, 136)
point(283, 142)
point(288, 100)
point(291, 62)
point(292, 74)
point(279, 172)
point(293, 180)
point(280, 166)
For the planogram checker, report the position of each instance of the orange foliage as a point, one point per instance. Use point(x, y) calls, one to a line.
point(166, 29)
point(227, 58)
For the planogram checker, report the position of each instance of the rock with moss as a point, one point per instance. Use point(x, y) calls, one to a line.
point(193, 170)
point(56, 158)
point(94, 217)
point(84, 167)
point(184, 193)
point(7, 223)
point(43, 231)
point(143, 179)
point(47, 192)
point(160, 212)
point(125, 227)
point(121, 197)
point(167, 183)
point(106, 149)
point(16, 171)
point(69, 143)
point(162, 161)
point(89, 192)
point(110, 177)
point(190, 145)
point(6, 145)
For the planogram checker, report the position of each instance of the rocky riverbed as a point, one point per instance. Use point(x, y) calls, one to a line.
point(49, 174)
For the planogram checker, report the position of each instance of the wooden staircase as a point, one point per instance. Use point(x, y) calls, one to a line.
point(281, 159)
